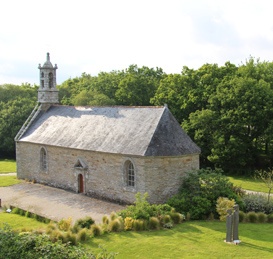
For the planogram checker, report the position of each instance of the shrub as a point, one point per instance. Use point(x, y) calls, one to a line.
point(96, 230)
point(242, 216)
point(262, 217)
point(154, 223)
point(142, 209)
point(115, 225)
point(105, 220)
point(128, 223)
point(28, 214)
point(199, 192)
point(270, 218)
point(177, 217)
point(82, 234)
point(84, 223)
point(27, 245)
point(15, 210)
point(138, 225)
point(168, 225)
point(252, 217)
point(258, 203)
point(167, 219)
point(113, 215)
point(65, 224)
point(71, 237)
point(223, 204)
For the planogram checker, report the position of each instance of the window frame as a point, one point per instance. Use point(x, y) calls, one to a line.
point(129, 174)
point(43, 159)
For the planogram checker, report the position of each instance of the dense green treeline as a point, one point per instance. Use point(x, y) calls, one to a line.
point(227, 110)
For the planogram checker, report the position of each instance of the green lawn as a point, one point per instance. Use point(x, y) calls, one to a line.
point(193, 239)
point(18, 222)
point(7, 166)
point(248, 183)
point(8, 180)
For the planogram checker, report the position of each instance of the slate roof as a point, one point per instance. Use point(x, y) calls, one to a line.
point(141, 131)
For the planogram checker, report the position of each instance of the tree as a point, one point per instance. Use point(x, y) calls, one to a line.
point(138, 85)
point(267, 178)
point(16, 103)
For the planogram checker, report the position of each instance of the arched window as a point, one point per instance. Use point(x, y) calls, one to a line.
point(42, 74)
point(130, 173)
point(43, 159)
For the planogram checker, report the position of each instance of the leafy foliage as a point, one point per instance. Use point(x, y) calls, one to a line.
point(257, 203)
point(142, 209)
point(199, 193)
point(223, 204)
point(14, 245)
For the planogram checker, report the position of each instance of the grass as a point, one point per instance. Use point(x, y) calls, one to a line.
point(193, 239)
point(18, 222)
point(7, 166)
point(248, 183)
point(8, 180)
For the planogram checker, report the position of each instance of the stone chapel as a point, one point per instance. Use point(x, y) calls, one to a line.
point(106, 152)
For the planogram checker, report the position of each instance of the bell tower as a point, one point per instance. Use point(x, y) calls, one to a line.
point(47, 92)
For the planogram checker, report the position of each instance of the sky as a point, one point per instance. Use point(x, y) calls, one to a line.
point(94, 36)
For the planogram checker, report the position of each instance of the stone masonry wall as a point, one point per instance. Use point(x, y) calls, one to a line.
point(104, 176)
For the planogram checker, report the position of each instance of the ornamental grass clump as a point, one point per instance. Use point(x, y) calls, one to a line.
point(154, 223)
point(83, 234)
point(270, 218)
point(177, 218)
point(242, 216)
point(105, 220)
point(115, 225)
point(96, 230)
point(262, 217)
point(65, 224)
point(138, 225)
point(252, 217)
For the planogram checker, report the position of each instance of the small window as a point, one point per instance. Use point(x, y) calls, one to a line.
point(130, 173)
point(43, 159)
point(42, 74)
point(50, 78)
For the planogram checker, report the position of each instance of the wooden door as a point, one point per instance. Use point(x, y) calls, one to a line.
point(80, 182)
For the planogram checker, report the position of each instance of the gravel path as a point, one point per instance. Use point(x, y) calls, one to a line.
point(55, 203)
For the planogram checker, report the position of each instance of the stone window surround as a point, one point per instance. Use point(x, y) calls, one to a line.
point(126, 174)
point(43, 160)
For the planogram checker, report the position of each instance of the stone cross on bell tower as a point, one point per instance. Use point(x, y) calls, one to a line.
point(47, 92)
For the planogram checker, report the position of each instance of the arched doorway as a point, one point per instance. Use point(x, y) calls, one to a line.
point(80, 183)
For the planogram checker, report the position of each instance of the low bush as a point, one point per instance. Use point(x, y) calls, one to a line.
point(65, 224)
point(199, 192)
point(177, 217)
point(142, 209)
point(258, 203)
point(154, 223)
point(270, 218)
point(26, 245)
point(83, 234)
point(252, 217)
point(242, 216)
point(96, 230)
point(262, 217)
point(105, 220)
point(115, 225)
point(222, 206)
point(84, 223)
point(138, 225)
point(128, 223)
